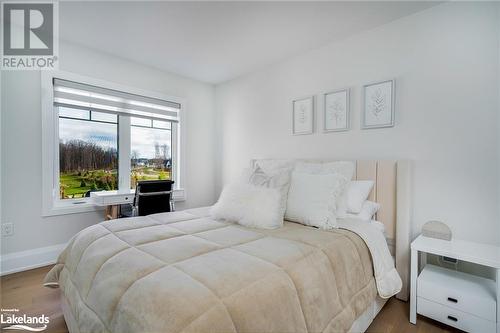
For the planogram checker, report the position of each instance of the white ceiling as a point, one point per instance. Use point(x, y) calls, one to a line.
point(218, 41)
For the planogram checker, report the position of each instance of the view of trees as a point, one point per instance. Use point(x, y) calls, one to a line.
point(78, 155)
point(86, 166)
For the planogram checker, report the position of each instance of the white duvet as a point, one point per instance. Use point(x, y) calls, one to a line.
point(386, 277)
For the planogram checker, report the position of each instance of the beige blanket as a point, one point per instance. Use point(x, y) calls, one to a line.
point(183, 272)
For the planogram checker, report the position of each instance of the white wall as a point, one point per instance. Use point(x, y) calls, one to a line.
point(445, 61)
point(498, 107)
point(21, 150)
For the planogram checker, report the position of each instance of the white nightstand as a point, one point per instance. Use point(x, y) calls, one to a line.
point(461, 300)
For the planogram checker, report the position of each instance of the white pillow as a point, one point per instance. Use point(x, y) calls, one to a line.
point(312, 198)
point(278, 178)
point(357, 193)
point(367, 212)
point(345, 168)
point(249, 205)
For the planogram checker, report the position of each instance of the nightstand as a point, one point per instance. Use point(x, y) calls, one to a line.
point(465, 301)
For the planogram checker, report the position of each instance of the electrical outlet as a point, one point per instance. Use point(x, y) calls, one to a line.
point(7, 229)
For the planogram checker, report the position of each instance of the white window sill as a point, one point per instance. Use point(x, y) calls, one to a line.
point(86, 205)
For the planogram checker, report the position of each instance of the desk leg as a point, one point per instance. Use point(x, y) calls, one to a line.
point(413, 286)
point(112, 212)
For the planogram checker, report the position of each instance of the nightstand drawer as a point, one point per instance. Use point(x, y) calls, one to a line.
point(456, 290)
point(453, 317)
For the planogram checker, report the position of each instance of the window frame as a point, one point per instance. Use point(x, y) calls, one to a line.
point(51, 203)
point(57, 172)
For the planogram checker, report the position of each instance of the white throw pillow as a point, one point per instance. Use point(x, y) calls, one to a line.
point(312, 198)
point(278, 178)
point(249, 205)
point(367, 212)
point(345, 168)
point(357, 193)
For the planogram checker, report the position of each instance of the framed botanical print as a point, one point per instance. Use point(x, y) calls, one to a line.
point(336, 112)
point(303, 116)
point(378, 105)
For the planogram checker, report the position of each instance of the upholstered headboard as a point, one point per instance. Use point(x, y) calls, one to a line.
point(392, 190)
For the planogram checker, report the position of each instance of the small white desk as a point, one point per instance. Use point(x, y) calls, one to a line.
point(482, 254)
point(112, 201)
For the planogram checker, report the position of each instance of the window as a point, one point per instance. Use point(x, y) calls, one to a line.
point(151, 146)
point(88, 152)
point(101, 137)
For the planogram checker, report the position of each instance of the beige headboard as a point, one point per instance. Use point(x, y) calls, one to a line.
point(392, 191)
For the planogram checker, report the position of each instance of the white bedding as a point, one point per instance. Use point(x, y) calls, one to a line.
point(388, 281)
point(379, 225)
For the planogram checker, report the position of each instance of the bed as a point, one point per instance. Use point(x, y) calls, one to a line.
point(185, 272)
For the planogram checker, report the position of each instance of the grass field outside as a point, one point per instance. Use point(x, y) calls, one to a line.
point(76, 184)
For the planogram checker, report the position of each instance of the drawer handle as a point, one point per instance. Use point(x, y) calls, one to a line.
point(451, 299)
point(452, 318)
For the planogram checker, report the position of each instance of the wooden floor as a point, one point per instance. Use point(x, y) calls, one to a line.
point(25, 292)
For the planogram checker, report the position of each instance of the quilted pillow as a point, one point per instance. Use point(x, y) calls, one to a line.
point(249, 205)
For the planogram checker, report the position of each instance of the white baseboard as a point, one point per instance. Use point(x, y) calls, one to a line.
point(25, 260)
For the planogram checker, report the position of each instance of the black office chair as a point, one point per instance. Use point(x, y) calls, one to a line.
point(153, 196)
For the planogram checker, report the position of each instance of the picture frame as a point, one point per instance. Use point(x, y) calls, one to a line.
point(303, 116)
point(337, 111)
point(378, 104)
